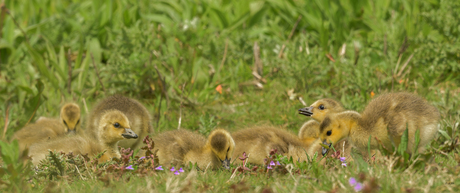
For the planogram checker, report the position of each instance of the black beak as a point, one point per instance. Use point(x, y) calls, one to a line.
point(326, 149)
point(306, 111)
point(226, 163)
point(72, 132)
point(129, 134)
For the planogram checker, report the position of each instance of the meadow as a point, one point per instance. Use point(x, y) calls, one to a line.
point(204, 64)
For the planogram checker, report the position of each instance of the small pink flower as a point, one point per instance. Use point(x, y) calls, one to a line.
point(130, 167)
point(358, 187)
point(181, 170)
point(344, 164)
point(159, 168)
point(342, 159)
point(272, 163)
point(176, 173)
point(172, 169)
point(269, 167)
point(352, 181)
point(278, 163)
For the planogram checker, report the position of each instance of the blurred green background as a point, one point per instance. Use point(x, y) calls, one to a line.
point(173, 52)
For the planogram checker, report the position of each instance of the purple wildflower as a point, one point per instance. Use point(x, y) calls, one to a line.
point(142, 158)
point(272, 163)
point(176, 173)
point(172, 169)
point(278, 163)
point(159, 168)
point(181, 170)
point(344, 164)
point(130, 167)
point(342, 159)
point(358, 187)
point(352, 181)
point(269, 167)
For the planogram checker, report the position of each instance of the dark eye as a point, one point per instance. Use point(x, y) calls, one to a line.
point(78, 122)
point(321, 107)
point(65, 123)
point(116, 125)
point(228, 149)
point(329, 133)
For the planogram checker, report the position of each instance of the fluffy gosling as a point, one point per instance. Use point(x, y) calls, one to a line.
point(385, 118)
point(137, 114)
point(47, 128)
point(113, 127)
point(180, 147)
point(257, 142)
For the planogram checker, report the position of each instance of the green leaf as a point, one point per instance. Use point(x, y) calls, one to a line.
point(404, 141)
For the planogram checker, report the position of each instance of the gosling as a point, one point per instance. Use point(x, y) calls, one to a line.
point(48, 128)
point(113, 127)
point(319, 109)
point(257, 142)
point(137, 114)
point(179, 147)
point(385, 118)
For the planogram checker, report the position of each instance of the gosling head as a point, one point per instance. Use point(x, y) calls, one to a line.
point(222, 145)
point(114, 126)
point(70, 117)
point(336, 127)
point(319, 109)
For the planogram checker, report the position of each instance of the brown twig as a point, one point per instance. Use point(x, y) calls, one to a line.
point(404, 46)
point(69, 65)
point(97, 73)
point(405, 64)
point(225, 55)
point(258, 67)
point(7, 115)
point(290, 36)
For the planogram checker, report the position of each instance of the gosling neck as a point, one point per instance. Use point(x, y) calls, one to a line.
point(111, 147)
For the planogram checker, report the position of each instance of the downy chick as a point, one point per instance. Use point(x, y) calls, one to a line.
point(257, 142)
point(180, 147)
point(113, 127)
point(137, 114)
point(386, 118)
point(48, 128)
point(309, 132)
point(320, 108)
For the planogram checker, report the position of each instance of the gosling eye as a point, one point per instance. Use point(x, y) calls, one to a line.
point(78, 122)
point(321, 107)
point(228, 149)
point(65, 123)
point(116, 125)
point(329, 133)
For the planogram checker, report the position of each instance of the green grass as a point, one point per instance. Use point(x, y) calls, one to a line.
point(149, 50)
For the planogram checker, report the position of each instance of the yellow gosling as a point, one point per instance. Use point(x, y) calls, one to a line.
point(137, 114)
point(113, 127)
point(386, 118)
point(180, 147)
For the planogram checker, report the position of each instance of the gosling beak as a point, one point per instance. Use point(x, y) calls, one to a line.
point(226, 163)
point(71, 131)
point(326, 149)
point(306, 111)
point(129, 134)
